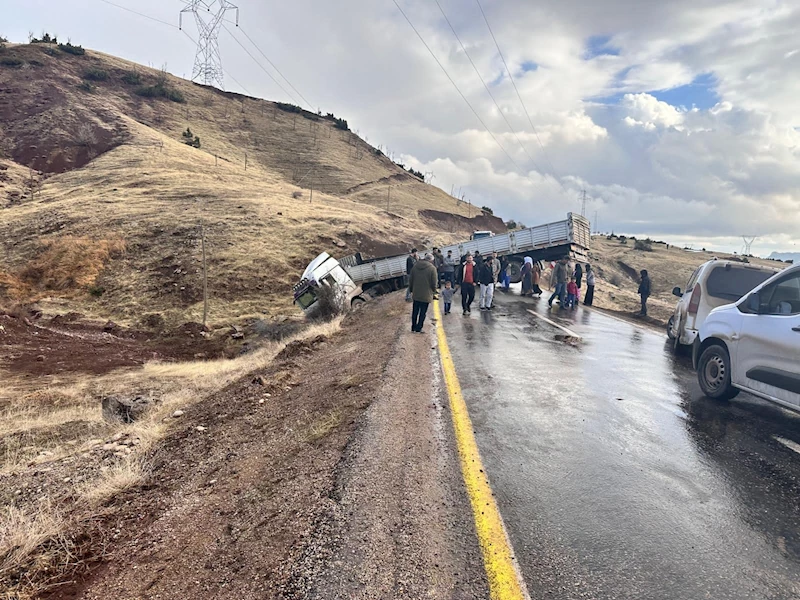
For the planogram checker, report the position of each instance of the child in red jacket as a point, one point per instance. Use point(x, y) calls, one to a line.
point(572, 293)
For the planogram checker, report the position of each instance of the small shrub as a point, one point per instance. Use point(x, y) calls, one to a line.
point(330, 301)
point(87, 87)
point(512, 224)
point(132, 78)
point(96, 291)
point(3, 40)
point(161, 90)
point(45, 39)
point(290, 108)
point(615, 280)
point(13, 63)
point(643, 245)
point(96, 75)
point(487, 210)
point(341, 124)
point(50, 51)
point(417, 174)
point(190, 139)
point(70, 49)
point(297, 194)
point(377, 152)
point(36, 63)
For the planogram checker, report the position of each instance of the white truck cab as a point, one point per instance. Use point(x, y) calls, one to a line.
point(754, 344)
point(325, 270)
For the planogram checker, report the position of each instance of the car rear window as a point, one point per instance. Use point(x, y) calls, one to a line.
point(733, 283)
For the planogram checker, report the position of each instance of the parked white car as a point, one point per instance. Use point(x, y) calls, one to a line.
point(714, 283)
point(754, 345)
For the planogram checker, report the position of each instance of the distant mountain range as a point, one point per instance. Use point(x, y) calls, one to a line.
point(790, 256)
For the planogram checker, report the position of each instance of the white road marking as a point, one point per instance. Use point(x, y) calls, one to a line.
point(788, 443)
point(554, 324)
point(621, 320)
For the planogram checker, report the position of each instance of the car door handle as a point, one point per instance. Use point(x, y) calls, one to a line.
point(797, 329)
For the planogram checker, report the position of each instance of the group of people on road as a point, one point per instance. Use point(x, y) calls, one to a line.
point(426, 276)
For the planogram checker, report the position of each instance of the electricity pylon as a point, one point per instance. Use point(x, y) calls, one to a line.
point(748, 243)
point(209, 15)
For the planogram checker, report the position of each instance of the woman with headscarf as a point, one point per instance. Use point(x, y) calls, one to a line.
point(527, 277)
point(537, 276)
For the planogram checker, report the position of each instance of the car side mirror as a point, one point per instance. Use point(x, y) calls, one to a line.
point(754, 303)
point(676, 291)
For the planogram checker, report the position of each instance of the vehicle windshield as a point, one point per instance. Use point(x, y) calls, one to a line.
point(307, 298)
point(733, 283)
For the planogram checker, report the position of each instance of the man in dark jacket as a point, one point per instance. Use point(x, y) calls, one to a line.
point(560, 275)
point(644, 291)
point(412, 258)
point(578, 274)
point(422, 284)
point(486, 279)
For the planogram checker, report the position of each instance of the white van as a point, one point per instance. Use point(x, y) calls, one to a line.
point(714, 283)
point(754, 345)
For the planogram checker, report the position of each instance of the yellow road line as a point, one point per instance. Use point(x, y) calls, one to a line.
point(505, 580)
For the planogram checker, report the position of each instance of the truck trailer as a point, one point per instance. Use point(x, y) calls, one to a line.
point(358, 279)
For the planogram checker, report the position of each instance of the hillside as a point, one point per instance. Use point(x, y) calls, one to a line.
point(102, 204)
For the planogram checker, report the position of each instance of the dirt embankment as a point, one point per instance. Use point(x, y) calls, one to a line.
point(247, 482)
point(459, 223)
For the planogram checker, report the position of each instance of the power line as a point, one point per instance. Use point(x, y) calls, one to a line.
point(140, 14)
point(260, 65)
point(527, 114)
point(477, 72)
point(460, 93)
point(276, 68)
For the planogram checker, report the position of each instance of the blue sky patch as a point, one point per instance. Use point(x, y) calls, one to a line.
point(699, 93)
point(599, 45)
point(529, 65)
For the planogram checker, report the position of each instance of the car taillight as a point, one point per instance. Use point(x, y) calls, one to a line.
point(694, 303)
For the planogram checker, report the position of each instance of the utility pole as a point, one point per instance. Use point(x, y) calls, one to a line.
point(388, 196)
point(205, 276)
point(583, 205)
point(208, 16)
point(596, 227)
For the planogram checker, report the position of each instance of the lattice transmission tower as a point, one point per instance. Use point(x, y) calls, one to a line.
point(208, 15)
point(748, 244)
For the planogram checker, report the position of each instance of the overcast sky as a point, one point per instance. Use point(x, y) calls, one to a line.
point(680, 118)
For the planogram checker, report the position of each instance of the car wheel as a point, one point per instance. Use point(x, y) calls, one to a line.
point(714, 373)
point(670, 324)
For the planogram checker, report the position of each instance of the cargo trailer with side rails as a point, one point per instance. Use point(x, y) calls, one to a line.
point(358, 279)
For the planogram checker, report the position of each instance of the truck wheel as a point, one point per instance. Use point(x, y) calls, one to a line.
point(714, 373)
point(516, 270)
point(357, 303)
point(670, 324)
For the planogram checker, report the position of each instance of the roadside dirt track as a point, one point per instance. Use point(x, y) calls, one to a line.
point(304, 495)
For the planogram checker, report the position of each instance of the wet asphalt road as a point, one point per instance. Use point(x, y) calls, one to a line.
point(615, 476)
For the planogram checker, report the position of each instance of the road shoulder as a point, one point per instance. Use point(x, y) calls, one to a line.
point(399, 522)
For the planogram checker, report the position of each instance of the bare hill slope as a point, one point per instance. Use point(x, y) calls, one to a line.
point(102, 202)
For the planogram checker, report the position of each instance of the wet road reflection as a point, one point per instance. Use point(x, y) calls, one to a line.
point(616, 477)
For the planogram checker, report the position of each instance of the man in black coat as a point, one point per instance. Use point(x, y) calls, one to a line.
point(644, 291)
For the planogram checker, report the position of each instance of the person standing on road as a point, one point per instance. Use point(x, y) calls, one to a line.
point(527, 276)
point(422, 284)
point(469, 272)
point(410, 261)
point(572, 293)
point(578, 274)
point(560, 277)
point(536, 277)
point(447, 296)
point(505, 273)
point(496, 270)
point(449, 267)
point(438, 262)
point(589, 286)
point(644, 291)
point(486, 279)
